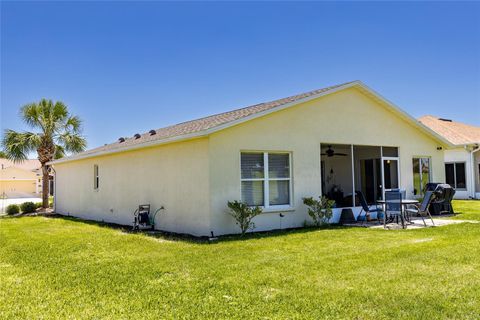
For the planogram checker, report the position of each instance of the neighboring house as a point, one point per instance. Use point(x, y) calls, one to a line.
point(462, 163)
point(19, 180)
point(330, 141)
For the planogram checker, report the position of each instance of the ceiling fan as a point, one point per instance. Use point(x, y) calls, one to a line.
point(330, 153)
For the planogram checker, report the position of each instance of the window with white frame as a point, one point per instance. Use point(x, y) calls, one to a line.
point(455, 175)
point(266, 179)
point(96, 178)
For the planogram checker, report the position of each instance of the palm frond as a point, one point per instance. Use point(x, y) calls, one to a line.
point(17, 145)
point(72, 142)
point(59, 112)
point(31, 115)
point(73, 124)
point(47, 116)
point(59, 152)
point(56, 125)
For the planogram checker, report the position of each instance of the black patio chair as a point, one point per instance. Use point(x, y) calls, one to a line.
point(430, 186)
point(393, 208)
point(422, 208)
point(402, 191)
point(366, 210)
point(443, 199)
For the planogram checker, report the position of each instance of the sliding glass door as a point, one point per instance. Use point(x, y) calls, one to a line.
point(390, 174)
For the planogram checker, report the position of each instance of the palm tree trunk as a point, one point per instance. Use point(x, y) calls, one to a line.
point(45, 182)
point(46, 153)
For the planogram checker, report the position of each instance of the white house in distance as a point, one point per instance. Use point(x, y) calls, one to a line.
point(331, 141)
point(462, 164)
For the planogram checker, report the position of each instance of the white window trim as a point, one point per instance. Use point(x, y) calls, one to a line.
point(455, 174)
point(266, 185)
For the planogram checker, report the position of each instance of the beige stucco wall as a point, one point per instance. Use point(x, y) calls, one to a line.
point(476, 168)
point(12, 173)
point(346, 117)
point(15, 182)
point(16, 187)
point(462, 155)
point(195, 179)
point(175, 176)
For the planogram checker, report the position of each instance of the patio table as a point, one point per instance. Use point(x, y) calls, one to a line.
point(405, 202)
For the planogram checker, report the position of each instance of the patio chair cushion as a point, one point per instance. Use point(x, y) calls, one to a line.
point(362, 217)
point(411, 210)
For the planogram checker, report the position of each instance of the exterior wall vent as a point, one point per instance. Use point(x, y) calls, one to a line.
point(152, 132)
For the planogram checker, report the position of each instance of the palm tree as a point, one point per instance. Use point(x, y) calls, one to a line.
point(58, 132)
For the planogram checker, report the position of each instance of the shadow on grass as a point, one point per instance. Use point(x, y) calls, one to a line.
point(278, 233)
point(171, 236)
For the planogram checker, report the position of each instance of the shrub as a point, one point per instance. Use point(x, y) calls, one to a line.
point(13, 209)
point(243, 214)
point(38, 205)
point(319, 210)
point(28, 207)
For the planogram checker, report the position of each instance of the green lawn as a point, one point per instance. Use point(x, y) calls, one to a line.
point(467, 209)
point(68, 269)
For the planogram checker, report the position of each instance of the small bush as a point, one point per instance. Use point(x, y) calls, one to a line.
point(28, 207)
point(13, 209)
point(243, 214)
point(38, 205)
point(319, 210)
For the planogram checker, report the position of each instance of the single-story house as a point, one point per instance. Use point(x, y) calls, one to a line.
point(21, 179)
point(330, 141)
point(462, 163)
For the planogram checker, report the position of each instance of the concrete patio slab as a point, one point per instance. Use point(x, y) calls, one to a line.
point(416, 223)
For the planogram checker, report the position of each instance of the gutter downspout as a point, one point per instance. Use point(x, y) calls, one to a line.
point(472, 158)
point(54, 188)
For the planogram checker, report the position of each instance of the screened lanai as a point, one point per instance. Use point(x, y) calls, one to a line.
point(350, 168)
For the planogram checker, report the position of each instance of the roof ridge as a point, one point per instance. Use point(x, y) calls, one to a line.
point(213, 115)
point(259, 104)
point(307, 93)
point(196, 126)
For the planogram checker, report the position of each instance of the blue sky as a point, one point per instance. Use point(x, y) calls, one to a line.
point(127, 67)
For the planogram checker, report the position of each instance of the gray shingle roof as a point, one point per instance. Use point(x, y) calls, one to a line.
point(202, 124)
